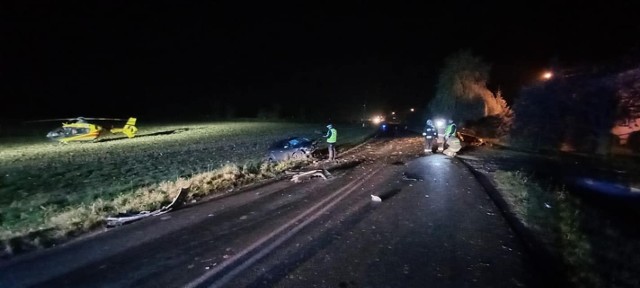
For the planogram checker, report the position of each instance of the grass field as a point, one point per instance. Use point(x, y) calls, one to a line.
point(66, 188)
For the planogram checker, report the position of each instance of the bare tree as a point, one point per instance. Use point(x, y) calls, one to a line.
point(505, 116)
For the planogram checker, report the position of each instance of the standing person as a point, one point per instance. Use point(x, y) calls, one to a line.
point(332, 137)
point(448, 132)
point(430, 134)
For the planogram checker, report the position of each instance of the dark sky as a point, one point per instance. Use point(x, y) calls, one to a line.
point(179, 58)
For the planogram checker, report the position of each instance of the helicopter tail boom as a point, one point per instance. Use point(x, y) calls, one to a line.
point(129, 129)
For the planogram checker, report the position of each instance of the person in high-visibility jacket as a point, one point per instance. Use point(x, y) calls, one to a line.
point(332, 138)
point(453, 146)
point(448, 132)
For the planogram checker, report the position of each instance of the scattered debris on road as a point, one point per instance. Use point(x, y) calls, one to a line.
point(410, 177)
point(124, 218)
point(384, 195)
point(305, 175)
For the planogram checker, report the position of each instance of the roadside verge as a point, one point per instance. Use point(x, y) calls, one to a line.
point(548, 264)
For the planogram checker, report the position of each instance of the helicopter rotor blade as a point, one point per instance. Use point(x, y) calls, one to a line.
point(52, 120)
point(103, 119)
point(76, 119)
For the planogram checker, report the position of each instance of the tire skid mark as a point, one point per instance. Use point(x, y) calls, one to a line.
point(255, 252)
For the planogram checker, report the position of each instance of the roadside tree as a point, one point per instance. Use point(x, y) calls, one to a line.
point(462, 94)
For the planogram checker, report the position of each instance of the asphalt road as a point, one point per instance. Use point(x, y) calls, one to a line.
point(435, 227)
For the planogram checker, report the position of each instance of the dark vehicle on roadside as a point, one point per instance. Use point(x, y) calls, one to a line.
point(294, 148)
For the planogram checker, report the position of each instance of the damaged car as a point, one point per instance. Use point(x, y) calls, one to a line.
point(293, 148)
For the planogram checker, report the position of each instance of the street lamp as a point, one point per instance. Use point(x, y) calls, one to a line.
point(412, 109)
point(547, 75)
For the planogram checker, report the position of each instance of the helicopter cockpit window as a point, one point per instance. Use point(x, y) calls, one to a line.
point(75, 131)
point(60, 132)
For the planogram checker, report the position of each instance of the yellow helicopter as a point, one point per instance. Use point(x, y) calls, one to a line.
point(82, 131)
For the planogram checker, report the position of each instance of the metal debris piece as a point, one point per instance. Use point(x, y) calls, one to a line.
point(301, 176)
point(122, 219)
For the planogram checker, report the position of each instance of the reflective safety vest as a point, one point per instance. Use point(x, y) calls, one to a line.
point(334, 136)
point(451, 129)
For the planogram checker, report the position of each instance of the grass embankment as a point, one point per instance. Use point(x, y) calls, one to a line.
point(50, 191)
point(595, 250)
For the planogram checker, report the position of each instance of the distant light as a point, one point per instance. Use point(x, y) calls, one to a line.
point(439, 123)
point(393, 113)
point(412, 109)
point(547, 75)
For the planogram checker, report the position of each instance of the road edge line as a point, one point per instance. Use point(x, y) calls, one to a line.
point(278, 234)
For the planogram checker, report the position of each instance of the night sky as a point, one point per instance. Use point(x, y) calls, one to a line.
point(173, 59)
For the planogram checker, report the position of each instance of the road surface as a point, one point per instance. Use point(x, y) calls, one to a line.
point(435, 226)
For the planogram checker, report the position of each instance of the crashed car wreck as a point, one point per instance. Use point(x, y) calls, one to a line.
point(293, 148)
